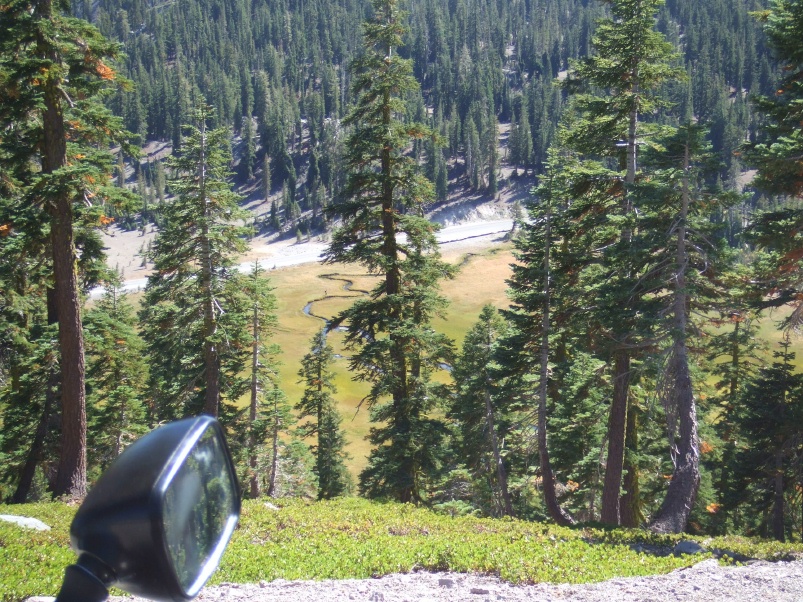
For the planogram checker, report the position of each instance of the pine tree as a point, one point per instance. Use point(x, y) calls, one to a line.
point(194, 341)
point(248, 158)
point(767, 464)
point(54, 69)
point(318, 403)
point(675, 226)
point(28, 443)
point(258, 296)
point(476, 408)
point(116, 376)
point(734, 354)
point(278, 420)
point(630, 63)
point(777, 157)
point(538, 290)
point(396, 350)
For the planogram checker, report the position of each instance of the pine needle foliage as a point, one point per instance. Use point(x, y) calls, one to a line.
point(197, 347)
point(318, 403)
point(382, 228)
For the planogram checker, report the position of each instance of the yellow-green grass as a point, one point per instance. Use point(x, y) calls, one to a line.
point(481, 280)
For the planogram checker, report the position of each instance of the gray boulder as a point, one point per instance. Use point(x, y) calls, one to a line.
point(688, 547)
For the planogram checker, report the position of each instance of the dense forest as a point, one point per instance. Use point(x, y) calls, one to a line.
point(278, 74)
point(626, 381)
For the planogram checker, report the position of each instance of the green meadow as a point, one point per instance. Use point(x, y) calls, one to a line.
point(327, 289)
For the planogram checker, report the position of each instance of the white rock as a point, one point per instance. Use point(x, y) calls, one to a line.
point(25, 521)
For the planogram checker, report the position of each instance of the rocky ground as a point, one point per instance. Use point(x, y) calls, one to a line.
point(706, 581)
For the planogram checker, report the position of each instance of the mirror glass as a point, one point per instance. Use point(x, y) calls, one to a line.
point(199, 512)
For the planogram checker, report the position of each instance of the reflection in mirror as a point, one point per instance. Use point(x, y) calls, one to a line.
point(199, 512)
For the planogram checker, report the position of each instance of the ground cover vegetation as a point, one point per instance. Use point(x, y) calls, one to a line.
point(623, 382)
point(353, 538)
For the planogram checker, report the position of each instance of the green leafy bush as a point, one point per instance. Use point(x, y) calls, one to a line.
point(356, 538)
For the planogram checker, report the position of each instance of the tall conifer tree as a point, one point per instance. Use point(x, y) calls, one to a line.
point(53, 69)
point(258, 297)
point(194, 342)
point(117, 373)
point(396, 350)
point(778, 159)
point(476, 407)
point(630, 63)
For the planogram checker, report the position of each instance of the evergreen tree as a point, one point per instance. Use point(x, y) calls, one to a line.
point(777, 157)
point(767, 464)
point(259, 301)
point(248, 157)
point(318, 403)
point(684, 250)
point(53, 70)
point(396, 350)
point(116, 376)
point(734, 355)
point(539, 287)
point(28, 443)
point(271, 433)
point(630, 64)
point(476, 408)
point(195, 344)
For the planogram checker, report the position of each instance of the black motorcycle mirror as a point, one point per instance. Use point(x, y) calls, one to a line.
point(157, 521)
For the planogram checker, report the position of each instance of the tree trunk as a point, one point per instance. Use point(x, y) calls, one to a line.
point(610, 513)
point(500, 465)
point(274, 463)
point(629, 504)
point(252, 413)
point(778, 505)
point(405, 479)
point(674, 512)
point(558, 514)
point(71, 474)
point(616, 439)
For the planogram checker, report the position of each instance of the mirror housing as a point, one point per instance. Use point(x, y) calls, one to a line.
point(157, 521)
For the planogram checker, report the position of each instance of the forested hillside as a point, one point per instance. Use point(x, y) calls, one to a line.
point(643, 371)
point(277, 73)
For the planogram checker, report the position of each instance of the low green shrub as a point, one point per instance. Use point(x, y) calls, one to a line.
point(356, 538)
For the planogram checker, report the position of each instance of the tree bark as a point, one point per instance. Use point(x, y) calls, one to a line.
point(274, 463)
point(558, 514)
point(252, 410)
point(630, 514)
point(71, 473)
point(674, 512)
point(616, 439)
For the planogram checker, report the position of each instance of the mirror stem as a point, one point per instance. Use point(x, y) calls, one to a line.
point(85, 581)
